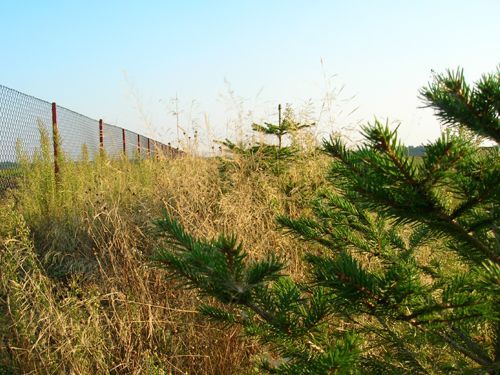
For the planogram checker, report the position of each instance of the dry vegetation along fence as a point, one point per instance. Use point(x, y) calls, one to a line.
point(22, 117)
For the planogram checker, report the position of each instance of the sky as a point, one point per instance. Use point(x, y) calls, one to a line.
point(229, 63)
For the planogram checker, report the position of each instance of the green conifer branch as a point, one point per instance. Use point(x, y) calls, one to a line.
point(388, 269)
point(456, 103)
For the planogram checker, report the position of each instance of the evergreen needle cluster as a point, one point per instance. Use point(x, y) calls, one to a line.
point(272, 155)
point(404, 267)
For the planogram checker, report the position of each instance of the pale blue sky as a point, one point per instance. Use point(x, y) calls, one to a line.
point(101, 57)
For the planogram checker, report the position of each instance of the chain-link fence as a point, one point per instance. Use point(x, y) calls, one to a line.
point(26, 120)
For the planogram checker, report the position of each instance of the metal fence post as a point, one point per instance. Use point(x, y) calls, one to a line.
point(123, 142)
point(55, 140)
point(101, 137)
point(19, 109)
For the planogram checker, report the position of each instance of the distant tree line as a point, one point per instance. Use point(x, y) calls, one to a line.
point(416, 150)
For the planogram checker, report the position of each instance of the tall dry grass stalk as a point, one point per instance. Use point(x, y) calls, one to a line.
point(77, 295)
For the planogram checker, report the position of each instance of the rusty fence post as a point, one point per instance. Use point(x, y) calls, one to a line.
point(149, 149)
point(101, 137)
point(124, 142)
point(55, 140)
point(139, 145)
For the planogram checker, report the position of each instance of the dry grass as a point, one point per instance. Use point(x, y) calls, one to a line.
point(77, 295)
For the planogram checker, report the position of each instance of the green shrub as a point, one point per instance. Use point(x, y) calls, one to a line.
point(403, 267)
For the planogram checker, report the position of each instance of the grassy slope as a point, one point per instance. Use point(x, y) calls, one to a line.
point(76, 292)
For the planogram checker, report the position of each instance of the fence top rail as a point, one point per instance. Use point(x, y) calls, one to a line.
point(22, 93)
point(114, 126)
point(76, 113)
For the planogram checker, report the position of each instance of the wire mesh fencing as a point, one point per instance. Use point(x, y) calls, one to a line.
point(77, 131)
point(113, 140)
point(28, 126)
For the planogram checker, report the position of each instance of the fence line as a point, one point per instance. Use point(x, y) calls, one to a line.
point(22, 117)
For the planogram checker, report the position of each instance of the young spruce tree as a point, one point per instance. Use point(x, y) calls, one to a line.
point(408, 280)
point(272, 155)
